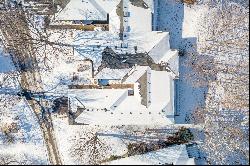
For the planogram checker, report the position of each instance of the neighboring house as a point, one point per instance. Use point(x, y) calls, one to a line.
point(86, 14)
point(122, 26)
point(173, 155)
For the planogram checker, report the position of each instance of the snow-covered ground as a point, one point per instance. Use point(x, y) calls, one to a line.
point(70, 137)
point(189, 32)
point(5, 62)
point(27, 146)
point(76, 143)
point(24, 144)
point(182, 23)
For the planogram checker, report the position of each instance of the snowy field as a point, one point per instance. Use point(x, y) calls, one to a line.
point(24, 146)
point(78, 145)
point(80, 136)
point(175, 18)
point(21, 141)
point(189, 32)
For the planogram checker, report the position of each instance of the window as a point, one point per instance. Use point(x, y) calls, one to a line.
point(124, 45)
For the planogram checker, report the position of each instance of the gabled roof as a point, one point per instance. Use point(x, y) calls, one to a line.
point(128, 110)
point(112, 74)
point(87, 10)
point(176, 155)
point(95, 98)
point(108, 5)
point(82, 10)
point(136, 74)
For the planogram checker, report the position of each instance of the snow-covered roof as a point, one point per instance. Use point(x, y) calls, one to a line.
point(161, 87)
point(147, 41)
point(168, 55)
point(161, 95)
point(150, 4)
point(95, 98)
point(135, 74)
point(140, 19)
point(130, 110)
point(82, 10)
point(112, 74)
point(176, 155)
point(108, 5)
point(172, 58)
point(140, 35)
point(124, 117)
point(87, 10)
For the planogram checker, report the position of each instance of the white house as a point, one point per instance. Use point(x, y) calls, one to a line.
point(141, 95)
point(136, 96)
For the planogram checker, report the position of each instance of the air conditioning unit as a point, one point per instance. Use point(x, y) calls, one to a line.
point(126, 14)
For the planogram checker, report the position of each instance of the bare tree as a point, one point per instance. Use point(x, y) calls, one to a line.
point(8, 160)
point(223, 54)
point(221, 63)
point(23, 159)
point(89, 147)
point(29, 43)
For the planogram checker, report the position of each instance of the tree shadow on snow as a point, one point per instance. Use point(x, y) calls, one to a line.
point(188, 97)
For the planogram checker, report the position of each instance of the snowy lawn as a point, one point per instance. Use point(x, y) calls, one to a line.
point(192, 30)
point(78, 145)
point(182, 23)
point(21, 140)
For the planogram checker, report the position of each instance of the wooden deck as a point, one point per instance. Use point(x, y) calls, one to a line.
point(112, 86)
point(104, 27)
